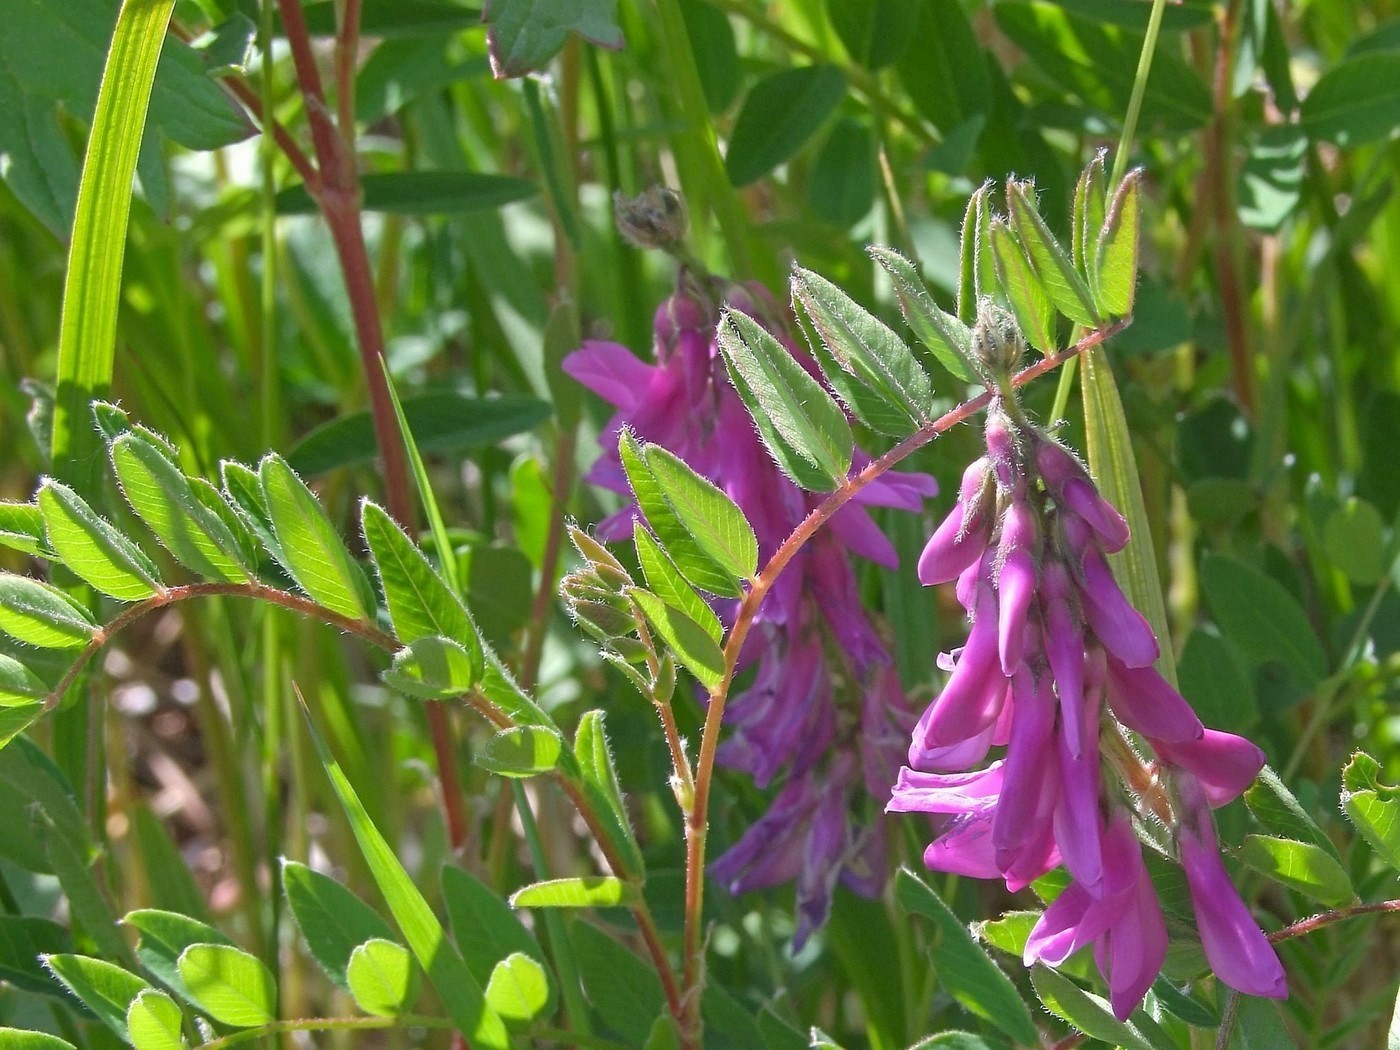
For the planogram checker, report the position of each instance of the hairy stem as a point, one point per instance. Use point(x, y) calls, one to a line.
point(697, 825)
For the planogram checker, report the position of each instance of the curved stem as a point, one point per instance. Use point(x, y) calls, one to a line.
point(697, 824)
point(325, 1024)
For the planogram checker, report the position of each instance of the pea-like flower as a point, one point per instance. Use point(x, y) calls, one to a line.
point(1099, 747)
point(819, 710)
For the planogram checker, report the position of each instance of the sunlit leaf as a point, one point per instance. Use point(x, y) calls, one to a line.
point(154, 1021)
point(92, 548)
point(230, 985)
point(333, 921)
point(692, 645)
point(35, 612)
point(519, 989)
point(382, 978)
point(104, 988)
point(522, 751)
point(1309, 869)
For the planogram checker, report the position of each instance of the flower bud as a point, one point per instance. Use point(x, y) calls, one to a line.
point(996, 340)
point(655, 218)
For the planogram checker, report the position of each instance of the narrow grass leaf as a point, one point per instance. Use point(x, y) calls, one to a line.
point(333, 921)
point(382, 978)
point(42, 615)
point(459, 991)
point(154, 1022)
point(434, 668)
point(100, 555)
point(865, 347)
point(1116, 252)
point(691, 558)
point(599, 777)
point(485, 927)
point(594, 891)
point(947, 337)
point(104, 988)
point(522, 751)
point(92, 289)
point(161, 496)
point(1024, 290)
point(228, 984)
point(666, 581)
point(519, 990)
point(692, 645)
point(964, 968)
point(1114, 466)
point(24, 940)
point(1063, 283)
point(1301, 866)
point(423, 193)
point(796, 407)
point(315, 554)
point(710, 516)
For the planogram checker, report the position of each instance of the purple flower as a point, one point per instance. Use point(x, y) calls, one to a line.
point(1057, 667)
point(822, 713)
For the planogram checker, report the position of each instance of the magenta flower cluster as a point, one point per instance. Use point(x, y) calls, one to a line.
point(1100, 751)
point(822, 711)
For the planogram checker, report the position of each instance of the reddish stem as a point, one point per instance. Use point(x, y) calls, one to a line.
point(698, 823)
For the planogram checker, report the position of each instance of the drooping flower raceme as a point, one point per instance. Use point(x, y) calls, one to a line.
point(822, 712)
point(1058, 670)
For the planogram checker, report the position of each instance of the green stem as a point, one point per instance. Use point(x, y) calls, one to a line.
point(709, 182)
point(1144, 68)
point(326, 1024)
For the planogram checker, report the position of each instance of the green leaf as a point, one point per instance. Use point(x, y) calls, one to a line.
point(16, 1039)
point(1116, 253)
point(1261, 618)
point(1309, 869)
point(843, 183)
point(1089, 204)
point(1276, 808)
point(164, 937)
point(866, 348)
point(41, 615)
point(1373, 807)
point(523, 35)
point(459, 991)
point(228, 984)
point(716, 56)
point(694, 562)
point(710, 516)
point(1064, 285)
point(977, 270)
point(1215, 683)
point(395, 19)
point(787, 403)
point(1189, 1008)
point(485, 927)
point(622, 988)
point(964, 969)
point(100, 555)
point(243, 489)
point(1353, 538)
point(875, 32)
point(161, 495)
point(521, 751)
point(382, 978)
point(22, 529)
point(601, 786)
point(420, 602)
point(1355, 101)
point(314, 552)
point(666, 581)
point(442, 421)
point(1092, 1015)
point(154, 1021)
point(1024, 290)
point(781, 112)
point(104, 988)
point(948, 338)
point(433, 668)
point(692, 644)
point(519, 989)
point(16, 718)
point(422, 193)
point(333, 921)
